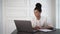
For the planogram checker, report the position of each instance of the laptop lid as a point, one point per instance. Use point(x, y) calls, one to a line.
point(23, 26)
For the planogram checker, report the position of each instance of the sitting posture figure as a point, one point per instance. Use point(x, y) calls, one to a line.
point(39, 21)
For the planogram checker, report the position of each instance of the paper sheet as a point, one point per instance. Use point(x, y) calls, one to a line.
point(45, 30)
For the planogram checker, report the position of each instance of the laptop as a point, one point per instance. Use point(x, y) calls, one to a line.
point(23, 26)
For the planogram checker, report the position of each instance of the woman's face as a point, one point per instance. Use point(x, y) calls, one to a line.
point(37, 13)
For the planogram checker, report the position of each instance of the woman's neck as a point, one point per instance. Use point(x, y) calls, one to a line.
point(38, 18)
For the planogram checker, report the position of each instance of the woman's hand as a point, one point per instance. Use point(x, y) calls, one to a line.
point(36, 28)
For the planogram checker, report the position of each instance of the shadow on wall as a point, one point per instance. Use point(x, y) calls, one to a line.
point(1, 25)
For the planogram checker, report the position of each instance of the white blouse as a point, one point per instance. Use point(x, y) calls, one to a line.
point(42, 22)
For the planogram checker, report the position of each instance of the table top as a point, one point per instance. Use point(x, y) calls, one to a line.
point(57, 31)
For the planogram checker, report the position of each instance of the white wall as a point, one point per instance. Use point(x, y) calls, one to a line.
point(53, 11)
point(23, 10)
point(59, 13)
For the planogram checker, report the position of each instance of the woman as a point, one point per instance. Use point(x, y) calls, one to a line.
point(40, 22)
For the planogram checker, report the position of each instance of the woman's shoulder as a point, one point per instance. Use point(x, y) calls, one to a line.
point(43, 17)
point(33, 18)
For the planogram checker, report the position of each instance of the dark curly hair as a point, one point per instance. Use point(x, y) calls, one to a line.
point(38, 7)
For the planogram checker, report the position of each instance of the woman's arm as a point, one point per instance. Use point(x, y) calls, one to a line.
point(46, 27)
point(47, 24)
